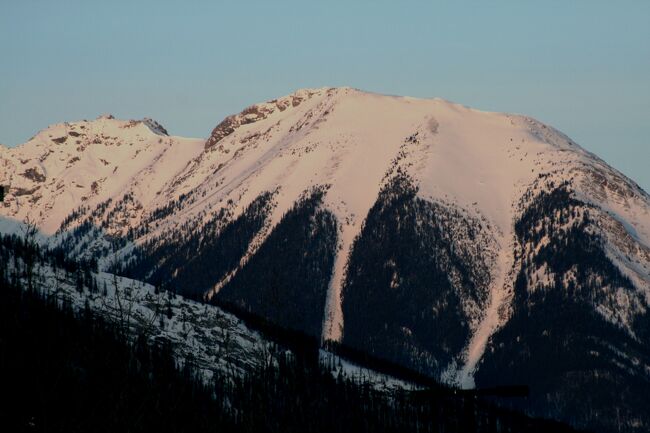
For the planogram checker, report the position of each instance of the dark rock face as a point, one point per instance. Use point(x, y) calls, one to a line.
point(17, 192)
point(223, 129)
point(286, 281)
point(251, 114)
point(155, 126)
point(413, 269)
point(580, 367)
point(34, 174)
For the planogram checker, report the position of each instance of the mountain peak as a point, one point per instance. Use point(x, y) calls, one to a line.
point(105, 129)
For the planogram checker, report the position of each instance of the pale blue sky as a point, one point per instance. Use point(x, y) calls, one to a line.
point(581, 66)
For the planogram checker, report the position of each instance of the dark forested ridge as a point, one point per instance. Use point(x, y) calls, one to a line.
point(286, 281)
point(575, 361)
point(63, 371)
point(399, 299)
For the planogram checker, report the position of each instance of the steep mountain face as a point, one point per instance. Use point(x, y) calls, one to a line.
point(479, 248)
point(578, 330)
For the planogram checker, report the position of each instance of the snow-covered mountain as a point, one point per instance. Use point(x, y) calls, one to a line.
point(79, 164)
point(460, 243)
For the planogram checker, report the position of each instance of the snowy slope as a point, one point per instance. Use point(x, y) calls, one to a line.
point(352, 141)
point(212, 338)
point(69, 165)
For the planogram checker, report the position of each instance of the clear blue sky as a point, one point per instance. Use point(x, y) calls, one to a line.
point(581, 66)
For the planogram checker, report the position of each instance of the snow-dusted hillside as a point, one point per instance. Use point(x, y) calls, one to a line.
point(213, 340)
point(76, 164)
point(452, 180)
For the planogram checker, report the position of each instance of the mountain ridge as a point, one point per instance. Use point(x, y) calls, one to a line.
point(371, 176)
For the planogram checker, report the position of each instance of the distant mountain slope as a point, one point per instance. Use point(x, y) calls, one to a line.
point(439, 232)
point(71, 165)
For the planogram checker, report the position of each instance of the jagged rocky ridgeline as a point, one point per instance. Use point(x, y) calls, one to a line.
point(477, 248)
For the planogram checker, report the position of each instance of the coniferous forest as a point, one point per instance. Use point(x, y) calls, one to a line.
point(562, 342)
point(399, 271)
point(72, 371)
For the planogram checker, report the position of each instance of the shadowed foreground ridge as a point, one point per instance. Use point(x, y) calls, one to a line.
point(75, 371)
